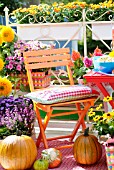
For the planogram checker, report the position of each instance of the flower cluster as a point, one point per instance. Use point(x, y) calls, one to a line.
point(57, 12)
point(60, 12)
point(81, 65)
point(15, 62)
point(16, 114)
point(104, 11)
point(103, 123)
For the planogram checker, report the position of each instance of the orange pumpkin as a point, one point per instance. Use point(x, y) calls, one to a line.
point(53, 155)
point(87, 150)
point(17, 152)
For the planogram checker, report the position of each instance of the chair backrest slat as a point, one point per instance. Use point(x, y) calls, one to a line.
point(46, 64)
point(47, 59)
point(47, 52)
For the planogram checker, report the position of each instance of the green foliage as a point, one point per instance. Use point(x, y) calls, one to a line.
point(52, 1)
point(11, 4)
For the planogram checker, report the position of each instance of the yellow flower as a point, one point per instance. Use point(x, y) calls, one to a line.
point(7, 34)
point(1, 40)
point(107, 116)
point(101, 119)
point(107, 99)
point(99, 107)
point(111, 54)
point(1, 64)
point(55, 4)
point(5, 86)
point(90, 114)
point(112, 113)
point(96, 118)
point(57, 9)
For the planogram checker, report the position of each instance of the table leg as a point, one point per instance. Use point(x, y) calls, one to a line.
point(105, 93)
point(112, 85)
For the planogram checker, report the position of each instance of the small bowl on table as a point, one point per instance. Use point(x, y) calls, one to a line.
point(103, 64)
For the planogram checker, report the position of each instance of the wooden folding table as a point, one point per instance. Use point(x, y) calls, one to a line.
point(100, 79)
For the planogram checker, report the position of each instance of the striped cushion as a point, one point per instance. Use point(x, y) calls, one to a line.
point(61, 93)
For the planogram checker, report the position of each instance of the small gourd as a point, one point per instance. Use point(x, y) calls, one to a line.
point(17, 152)
point(87, 150)
point(53, 155)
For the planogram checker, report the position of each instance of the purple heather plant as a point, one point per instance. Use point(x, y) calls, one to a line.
point(16, 114)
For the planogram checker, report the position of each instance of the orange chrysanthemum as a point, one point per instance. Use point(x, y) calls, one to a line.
point(7, 34)
point(5, 86)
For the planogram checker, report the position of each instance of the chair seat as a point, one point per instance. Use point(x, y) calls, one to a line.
point(55, 94)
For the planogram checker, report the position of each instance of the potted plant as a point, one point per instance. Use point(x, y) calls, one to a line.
point(81, 66)
point(16, 114)
point(14, 64)
point(103, 123)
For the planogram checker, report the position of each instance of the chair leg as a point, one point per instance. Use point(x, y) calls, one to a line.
point(78, 106)
point(42, 127)
point(42, 133)
point(81, 119)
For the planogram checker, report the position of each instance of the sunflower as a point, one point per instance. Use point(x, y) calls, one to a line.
point(1, 40)
point(5, 86)
point(107, 116)
point(7, 34)
point(1, 64)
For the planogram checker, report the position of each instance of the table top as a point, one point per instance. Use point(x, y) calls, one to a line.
point(93, 76)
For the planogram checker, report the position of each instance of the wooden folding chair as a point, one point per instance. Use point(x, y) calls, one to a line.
point(50, 59)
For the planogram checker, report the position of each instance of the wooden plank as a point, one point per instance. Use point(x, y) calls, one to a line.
point(47, 58)
point(46, 52)
point(46, 65)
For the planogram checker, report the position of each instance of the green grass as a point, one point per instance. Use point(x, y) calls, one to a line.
point(66, 117)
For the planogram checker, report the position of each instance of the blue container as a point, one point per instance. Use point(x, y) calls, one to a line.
point(95, 58)
point(105, 67)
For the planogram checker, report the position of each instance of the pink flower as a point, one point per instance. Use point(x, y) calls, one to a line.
point(18, 67)
point(87, 62)
point(10, 66)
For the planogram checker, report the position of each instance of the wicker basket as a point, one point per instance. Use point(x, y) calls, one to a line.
point(40, 79)
point(110, 153)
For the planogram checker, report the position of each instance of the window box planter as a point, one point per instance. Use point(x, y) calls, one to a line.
point(103, 30)
point(47, 31)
